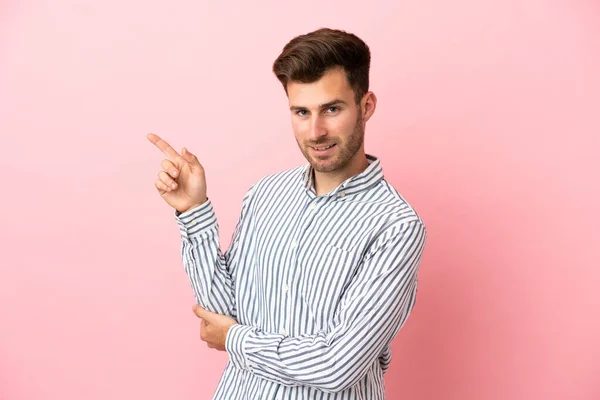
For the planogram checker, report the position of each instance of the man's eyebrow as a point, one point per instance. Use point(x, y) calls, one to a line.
point(321, 106)
point(332, 103)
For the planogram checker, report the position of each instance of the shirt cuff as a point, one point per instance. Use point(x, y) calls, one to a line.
point(234, 345)
point(197, 220)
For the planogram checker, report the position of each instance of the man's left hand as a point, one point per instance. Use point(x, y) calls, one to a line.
point(213, 327)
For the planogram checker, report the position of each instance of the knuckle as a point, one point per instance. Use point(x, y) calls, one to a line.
point(165, 177)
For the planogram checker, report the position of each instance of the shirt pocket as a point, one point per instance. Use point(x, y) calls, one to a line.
point(325, 274)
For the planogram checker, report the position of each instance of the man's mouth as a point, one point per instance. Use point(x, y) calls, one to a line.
point(323, 148)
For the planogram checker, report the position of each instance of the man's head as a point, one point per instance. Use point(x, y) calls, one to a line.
point(325, 74)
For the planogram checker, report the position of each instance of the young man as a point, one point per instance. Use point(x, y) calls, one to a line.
point(321, 272)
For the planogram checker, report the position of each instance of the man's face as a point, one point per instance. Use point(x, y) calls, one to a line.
point(327, 122)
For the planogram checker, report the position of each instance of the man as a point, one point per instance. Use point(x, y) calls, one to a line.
point(321, 272)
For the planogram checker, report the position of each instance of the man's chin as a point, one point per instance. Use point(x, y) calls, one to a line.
point(324, 166)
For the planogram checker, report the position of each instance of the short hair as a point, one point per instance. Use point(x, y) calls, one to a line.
point(307, 57)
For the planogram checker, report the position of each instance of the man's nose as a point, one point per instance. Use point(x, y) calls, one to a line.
point(317, 128)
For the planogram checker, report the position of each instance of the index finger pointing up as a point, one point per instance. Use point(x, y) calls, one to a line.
point(164, 146)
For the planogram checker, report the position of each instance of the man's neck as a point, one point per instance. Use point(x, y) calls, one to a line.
point(325, 182)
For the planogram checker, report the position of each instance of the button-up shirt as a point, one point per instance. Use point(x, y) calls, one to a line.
point(319, 285)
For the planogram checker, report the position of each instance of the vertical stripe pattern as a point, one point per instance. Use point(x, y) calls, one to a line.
point(319, 285)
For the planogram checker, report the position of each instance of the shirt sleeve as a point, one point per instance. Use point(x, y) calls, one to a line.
point(371, 312)
point(211, 272)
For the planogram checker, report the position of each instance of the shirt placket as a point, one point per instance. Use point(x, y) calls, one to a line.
point(290, 286)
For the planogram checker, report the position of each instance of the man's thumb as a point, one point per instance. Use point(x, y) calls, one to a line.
point(200, 312)
point(191, 159)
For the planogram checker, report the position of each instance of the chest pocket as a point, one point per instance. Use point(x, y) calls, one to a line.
point(324, 275)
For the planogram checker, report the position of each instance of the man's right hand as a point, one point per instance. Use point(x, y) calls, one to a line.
point(181, 181)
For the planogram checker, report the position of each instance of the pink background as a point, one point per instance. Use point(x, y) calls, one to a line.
point(487, 122)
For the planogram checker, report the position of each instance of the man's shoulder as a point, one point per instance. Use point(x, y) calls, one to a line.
point(394, 204)
point(281, 180)
point(284, 178)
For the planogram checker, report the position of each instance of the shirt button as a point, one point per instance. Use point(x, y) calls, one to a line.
point(312, 207)
point(294, 244)
point(283, 332)
point(341, 194)
point(285, 288)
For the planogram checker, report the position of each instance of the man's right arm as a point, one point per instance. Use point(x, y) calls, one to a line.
point(182, 184)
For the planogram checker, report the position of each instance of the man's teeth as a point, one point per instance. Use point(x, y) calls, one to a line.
point(323, 148)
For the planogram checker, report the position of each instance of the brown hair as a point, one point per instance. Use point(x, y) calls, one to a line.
point(307, 57)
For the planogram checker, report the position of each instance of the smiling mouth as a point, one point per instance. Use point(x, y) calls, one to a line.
point(323, 148)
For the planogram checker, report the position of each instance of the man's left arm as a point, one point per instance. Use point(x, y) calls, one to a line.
point(372, 311)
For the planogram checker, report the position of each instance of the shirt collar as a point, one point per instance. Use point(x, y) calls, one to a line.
point(357, 183)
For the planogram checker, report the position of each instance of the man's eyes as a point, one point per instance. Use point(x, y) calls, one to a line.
point(328, 110)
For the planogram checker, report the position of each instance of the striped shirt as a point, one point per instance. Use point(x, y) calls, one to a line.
point(319, 285)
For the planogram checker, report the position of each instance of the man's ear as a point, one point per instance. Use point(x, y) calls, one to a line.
point(368, 105)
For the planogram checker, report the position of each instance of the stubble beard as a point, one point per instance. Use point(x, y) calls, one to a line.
point(345, 151)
